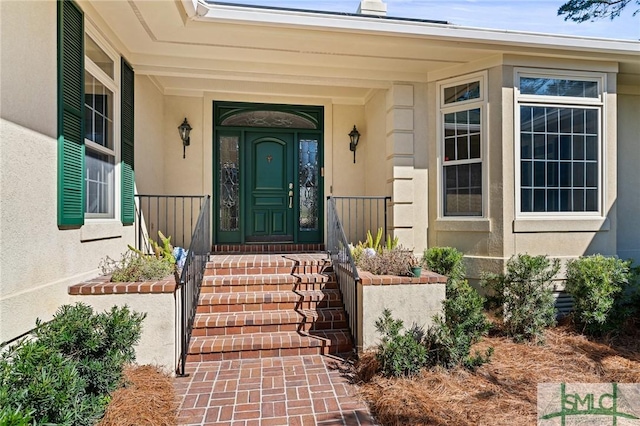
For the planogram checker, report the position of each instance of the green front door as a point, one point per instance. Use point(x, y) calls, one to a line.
point(270, 187)
point(268, 174)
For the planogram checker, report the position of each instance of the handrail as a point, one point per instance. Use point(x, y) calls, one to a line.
point(344, 267)
point(368, 211)
point(190, 283)
point(173, 215)
point(359, 214)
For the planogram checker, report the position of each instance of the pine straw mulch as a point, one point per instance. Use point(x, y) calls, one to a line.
point(504, 391)
point(148, 398)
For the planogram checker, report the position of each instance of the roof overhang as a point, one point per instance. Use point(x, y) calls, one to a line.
point(189, 47)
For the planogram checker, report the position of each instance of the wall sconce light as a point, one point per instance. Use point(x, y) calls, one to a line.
point(354, 137)
point(184, 129)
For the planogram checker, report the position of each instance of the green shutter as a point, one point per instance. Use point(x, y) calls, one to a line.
point(127, 137)
point(71, 197)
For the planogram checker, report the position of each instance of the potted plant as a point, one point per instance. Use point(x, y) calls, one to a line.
point(415, 266)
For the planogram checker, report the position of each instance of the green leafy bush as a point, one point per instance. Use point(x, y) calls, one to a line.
point(396, 261)
point(65, 373)
point(447, 261)
point(134, 267)
point(599, 287)
point(464, 319)
point(400, 354)
point(525, 293)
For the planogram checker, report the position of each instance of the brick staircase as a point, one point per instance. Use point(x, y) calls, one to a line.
point(255, 305)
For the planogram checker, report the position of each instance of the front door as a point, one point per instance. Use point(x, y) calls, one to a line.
point(267, 175)
point(270, 187)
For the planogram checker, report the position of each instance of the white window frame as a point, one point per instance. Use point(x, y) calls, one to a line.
point(479, 103)
point(560, 102)
point(114, 86)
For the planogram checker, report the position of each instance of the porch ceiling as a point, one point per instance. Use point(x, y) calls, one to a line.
point(236, 52)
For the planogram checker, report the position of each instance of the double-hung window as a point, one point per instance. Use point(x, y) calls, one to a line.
point(461, 146)
point(559, 131)
point(100, 99)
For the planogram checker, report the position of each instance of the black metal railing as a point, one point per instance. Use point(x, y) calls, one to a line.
point(187, 220)
point(188, 291)
point(344, 267)
point(369, 213)
point(173, 215)
point(361, 214)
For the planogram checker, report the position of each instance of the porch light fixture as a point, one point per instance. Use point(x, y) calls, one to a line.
point(184, 129)
point(354, 136)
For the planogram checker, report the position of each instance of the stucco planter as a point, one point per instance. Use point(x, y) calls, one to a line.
point(155, 298)
point(411, 299)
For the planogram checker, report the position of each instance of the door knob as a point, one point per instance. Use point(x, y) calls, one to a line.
point(290, 199)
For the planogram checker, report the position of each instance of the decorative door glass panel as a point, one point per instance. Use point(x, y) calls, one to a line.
point(308, 184)
point(229, 183)
point(276, 119)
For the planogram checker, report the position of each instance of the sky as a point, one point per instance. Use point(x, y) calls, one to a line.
point(522, 15)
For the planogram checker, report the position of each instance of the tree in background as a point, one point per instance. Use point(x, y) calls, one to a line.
point(590, 10)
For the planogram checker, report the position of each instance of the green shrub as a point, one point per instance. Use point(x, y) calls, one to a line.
point(134, 267)
point(525, 293)
point(64, 375)
point(396, 261)
point(464, 319)
point(446, 261)
point(15, 417)
point(599, 287)
point(400, 354)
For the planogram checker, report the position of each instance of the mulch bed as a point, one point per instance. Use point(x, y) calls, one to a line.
point(147, 399)
point(504, 391)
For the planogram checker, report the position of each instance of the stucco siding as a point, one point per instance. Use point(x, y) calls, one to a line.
point(37, 260)
point(348, 177)
point(374, 153)
point(628, 201)
point(150, 137)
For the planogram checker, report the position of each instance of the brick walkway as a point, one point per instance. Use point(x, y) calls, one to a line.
point(296, 390)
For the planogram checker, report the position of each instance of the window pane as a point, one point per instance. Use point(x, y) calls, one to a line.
point(98, 120)
point(526, 145)
point(552, 118)
point(449, 149)
point(462, 148)
point(558, 87)
point(552, 174)
point(229, 183)
point(527, 173)
point(578, 200)
point(578, 147)
point(463, 190)
point(592, 121)
point(552, 147)
point(308, 184)
point(97, 56)
point(553, 201)
point(526, 200)
point(539, 170)
point(592, 200)
point(568, 142)
point(474, 146)
point(461, 93)
point(592, 175)
point(539, 146)
point(592, 148)
point(526, 119)
point(99, 184)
